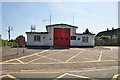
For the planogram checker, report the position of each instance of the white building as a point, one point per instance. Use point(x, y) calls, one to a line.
point(60, 35)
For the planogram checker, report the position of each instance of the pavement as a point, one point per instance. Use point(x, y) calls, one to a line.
point(98, 63)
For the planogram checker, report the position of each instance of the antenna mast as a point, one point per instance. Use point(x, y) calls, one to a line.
point(50, 19)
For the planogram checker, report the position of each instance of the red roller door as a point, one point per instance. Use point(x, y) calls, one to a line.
point(61, 36)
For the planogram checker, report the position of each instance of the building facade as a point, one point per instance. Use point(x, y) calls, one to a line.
point(59, 35)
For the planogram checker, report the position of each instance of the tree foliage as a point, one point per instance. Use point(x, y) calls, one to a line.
point(87, 32)
point(103, 37)
point(9, 43)
point(118, 36)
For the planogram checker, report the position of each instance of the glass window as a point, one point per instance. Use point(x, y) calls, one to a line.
point(37, 38)
point(85, 39)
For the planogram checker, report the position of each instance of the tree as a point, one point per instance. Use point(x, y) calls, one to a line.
point(87, 32)
point(103, 37)
point(118, 38)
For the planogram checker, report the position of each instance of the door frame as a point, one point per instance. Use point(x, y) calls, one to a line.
point(54, 37)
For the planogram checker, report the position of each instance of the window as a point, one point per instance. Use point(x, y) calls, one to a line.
point(85, 39)
point(37, 38)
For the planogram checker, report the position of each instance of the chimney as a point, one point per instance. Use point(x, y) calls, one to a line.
point(112, 28)
point(107, 29)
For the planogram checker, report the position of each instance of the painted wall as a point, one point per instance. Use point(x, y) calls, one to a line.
point(48, 41)
point(44, 41)
point(81, 43)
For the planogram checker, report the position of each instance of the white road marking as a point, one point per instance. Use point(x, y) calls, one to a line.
point(100, 55)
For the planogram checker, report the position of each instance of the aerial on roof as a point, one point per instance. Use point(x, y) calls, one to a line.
point(61, 24)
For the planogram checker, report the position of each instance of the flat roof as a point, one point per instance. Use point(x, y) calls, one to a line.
point(36, 32)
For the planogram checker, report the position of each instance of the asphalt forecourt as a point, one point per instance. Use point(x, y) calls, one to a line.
point(80, 63)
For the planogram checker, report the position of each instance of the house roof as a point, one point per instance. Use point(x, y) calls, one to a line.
point(36, 32)
point(109, 32)
point(61, 24)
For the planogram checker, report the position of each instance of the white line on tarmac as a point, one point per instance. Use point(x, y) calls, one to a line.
point(100, 55)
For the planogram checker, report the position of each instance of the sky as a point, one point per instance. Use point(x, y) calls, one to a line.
point(96, 16)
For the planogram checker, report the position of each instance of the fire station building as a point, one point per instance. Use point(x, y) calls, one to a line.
point(60, 35)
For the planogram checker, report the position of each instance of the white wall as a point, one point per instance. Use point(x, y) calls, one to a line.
point(48, 42)
point(80, 43)
point(44, 41)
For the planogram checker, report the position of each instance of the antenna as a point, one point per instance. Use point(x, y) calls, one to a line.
point(44, 20)
point(47, 20)
point(33, 28)
point(50, 18)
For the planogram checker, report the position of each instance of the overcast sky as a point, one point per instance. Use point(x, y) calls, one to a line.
point(96, 16)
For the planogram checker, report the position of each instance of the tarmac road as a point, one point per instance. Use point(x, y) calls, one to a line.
point(96, 63)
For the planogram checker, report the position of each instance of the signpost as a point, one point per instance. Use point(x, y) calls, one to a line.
point(20, 42)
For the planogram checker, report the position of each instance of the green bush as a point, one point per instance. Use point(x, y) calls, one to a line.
point(10, 43)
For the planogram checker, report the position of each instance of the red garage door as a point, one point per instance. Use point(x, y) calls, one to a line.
point(61, 36)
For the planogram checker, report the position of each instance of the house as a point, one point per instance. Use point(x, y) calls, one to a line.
point(60, 35)
point(110, 33)
point(112, 36)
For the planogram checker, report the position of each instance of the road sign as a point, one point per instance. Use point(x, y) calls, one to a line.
point(21, 41)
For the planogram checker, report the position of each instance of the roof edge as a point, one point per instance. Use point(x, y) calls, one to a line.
point(61, 24)
point(36, 32)
point(84, 34)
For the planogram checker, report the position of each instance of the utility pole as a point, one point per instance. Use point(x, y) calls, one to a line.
point(9, 30)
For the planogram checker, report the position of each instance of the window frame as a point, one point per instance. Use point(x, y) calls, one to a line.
point(37, 38)
point(85, 39)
